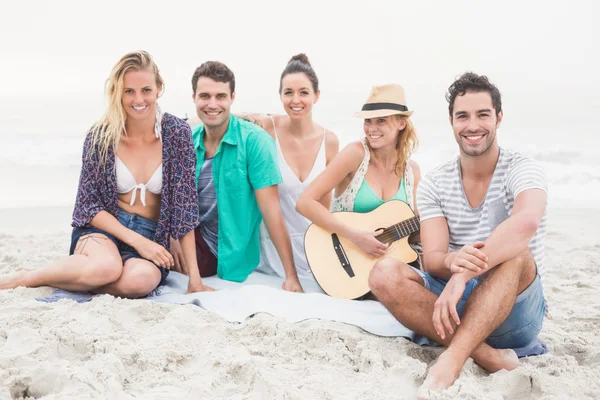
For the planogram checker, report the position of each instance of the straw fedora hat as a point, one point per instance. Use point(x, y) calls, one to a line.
point(383, 101)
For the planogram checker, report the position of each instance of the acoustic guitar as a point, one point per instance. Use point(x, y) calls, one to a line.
point(340, 267)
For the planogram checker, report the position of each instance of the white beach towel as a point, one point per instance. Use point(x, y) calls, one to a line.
point(262, 293)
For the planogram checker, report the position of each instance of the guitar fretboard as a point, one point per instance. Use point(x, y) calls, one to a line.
point(399, 230)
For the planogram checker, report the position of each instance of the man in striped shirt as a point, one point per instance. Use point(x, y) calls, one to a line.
point(483, 224)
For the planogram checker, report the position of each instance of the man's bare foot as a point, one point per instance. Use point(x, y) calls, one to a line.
point(442, 375)
point(11, 281)
point(447, 369)
point(499, 359)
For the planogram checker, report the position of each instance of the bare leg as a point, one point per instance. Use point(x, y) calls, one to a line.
point(95, 263)
point(139, 278)
point(396, 285)
point(488, 306)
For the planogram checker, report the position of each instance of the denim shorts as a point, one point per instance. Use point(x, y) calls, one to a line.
point(522, 325)
point(141, 225)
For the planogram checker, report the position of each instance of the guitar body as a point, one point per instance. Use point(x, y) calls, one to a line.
point(324, 261)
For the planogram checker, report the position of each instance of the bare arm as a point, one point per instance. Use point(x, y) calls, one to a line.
point(188, 246)
point(309, 204)
point(107, 222)
point(265, 121)
point(147, 248)
point(512, 236)
point(268, 202)
point(435, 239)
point(508, 240)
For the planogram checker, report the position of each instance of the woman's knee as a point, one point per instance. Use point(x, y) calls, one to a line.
point(388, 273)
point(104, 270)
point(139, 281)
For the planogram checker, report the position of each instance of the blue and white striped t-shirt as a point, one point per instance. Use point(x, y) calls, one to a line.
point(441, 194)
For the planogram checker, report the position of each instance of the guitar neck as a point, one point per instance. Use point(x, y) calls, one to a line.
point(399, 230)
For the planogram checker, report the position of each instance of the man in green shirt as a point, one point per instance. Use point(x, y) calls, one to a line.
point(237, 176)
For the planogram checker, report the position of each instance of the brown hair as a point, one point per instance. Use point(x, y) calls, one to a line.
point(215, 70)
point(471, 82)
point(300, 64)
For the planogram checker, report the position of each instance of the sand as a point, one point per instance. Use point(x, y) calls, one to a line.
point(125, 349)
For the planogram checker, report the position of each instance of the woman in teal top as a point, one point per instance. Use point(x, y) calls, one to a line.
point(366, 199)
point(368, 173)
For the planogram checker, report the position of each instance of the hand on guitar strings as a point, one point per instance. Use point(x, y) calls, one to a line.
point(369, 244)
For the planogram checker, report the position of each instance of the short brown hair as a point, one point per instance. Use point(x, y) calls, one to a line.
point(215, 70)
point(471, 82)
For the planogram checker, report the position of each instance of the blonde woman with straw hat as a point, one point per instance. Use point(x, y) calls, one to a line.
point(368, 173)
point(137, 189)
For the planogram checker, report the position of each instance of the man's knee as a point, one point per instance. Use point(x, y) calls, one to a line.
point(389, 274)
point(525, 258)
point(522, 262)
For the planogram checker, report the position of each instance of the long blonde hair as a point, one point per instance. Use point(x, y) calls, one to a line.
point(107, 132)
point(406, 143)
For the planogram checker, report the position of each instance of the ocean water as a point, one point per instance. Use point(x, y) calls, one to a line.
point(40, 161)
point(51, 93)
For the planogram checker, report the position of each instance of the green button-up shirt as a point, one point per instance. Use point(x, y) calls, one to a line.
point(245, 161)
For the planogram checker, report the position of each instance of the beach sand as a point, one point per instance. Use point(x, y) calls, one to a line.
point(125, 349)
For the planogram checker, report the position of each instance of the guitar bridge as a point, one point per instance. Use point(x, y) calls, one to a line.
point(341, 254)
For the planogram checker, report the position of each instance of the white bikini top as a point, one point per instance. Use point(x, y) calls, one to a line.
point(126, 182)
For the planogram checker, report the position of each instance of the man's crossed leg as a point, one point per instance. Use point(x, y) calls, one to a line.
point(500, 310)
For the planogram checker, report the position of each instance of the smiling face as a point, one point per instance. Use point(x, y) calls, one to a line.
point(474, 122)
point(297, 95)
point(383, 131)
point(213, 102)
point(139, 94)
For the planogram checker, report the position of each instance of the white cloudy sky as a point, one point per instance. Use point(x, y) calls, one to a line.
point(543, 55)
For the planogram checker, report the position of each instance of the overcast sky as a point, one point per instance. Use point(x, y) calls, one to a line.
point(543, 55)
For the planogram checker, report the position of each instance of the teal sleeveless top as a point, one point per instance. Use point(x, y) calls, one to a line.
point(366, 200)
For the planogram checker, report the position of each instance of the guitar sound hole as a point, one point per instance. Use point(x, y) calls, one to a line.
point(378, 237)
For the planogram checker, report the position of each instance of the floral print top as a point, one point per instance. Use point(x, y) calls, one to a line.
point(179, 199)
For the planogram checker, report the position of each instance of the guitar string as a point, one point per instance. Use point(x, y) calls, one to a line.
point(389, 234)
point(405, 226)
